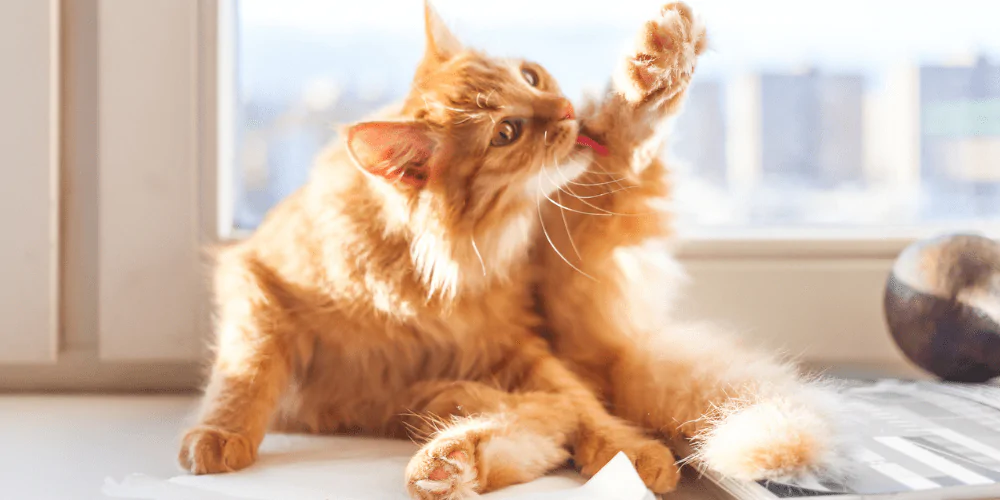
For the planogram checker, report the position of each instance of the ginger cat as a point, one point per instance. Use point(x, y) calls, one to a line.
point(416, 286)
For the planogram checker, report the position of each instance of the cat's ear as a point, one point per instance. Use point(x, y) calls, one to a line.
point(399, 152)
point(441, 42)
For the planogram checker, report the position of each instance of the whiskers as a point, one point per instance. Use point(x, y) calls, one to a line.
point(565, 185)
point(591, 184)
point(480, 100)
point(466, 115)
point(569, 234)
point(479, 255)
point(545, 231)
point(606, 193)
point(544, 193)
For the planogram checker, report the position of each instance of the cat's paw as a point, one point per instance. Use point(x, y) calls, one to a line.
point(444, 468)
point(210, 450)
point(665, 54)
point(653, 460)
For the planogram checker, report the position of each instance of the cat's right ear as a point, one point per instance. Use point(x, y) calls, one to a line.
point(441, 42)
point(398, 152)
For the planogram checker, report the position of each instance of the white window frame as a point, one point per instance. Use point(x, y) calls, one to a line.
point(136, 304)
point(137, 131)
point(29, 195)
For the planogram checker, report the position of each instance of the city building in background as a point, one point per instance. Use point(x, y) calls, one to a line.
point(804, 129)
point(796, 137)
point(960, 138)
point(890, 139)
point(699, 136)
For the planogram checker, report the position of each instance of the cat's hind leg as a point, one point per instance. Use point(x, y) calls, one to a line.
point(483, 438)
point(480, 438)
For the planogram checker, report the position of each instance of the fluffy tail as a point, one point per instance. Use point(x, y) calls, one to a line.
point(747, 414)
point(776, 435)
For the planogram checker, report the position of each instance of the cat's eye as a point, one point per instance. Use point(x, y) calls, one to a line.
point(530, 76)
point(506, 132)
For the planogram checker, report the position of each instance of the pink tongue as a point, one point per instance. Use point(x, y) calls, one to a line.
point(592, 144)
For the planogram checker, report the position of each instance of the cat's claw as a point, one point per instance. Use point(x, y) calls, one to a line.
point(665, 55)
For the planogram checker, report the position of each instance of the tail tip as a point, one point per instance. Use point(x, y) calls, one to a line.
point(768, 440)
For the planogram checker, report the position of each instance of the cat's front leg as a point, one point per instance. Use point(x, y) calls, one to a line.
point(661, 65)
point(617, 205)
point(239, 400)
point(250, 372)
point(616, 208)
point(648, 85)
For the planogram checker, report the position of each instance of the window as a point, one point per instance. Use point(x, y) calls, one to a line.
point(820, 139)
point(804, 115)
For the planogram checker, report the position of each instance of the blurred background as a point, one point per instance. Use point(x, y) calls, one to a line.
point(820, 139)
point(849, 114)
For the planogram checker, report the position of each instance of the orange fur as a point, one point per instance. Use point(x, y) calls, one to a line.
point(395, 294)
point(748, 415)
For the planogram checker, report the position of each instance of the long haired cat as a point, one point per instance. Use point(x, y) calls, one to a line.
point(416, 286)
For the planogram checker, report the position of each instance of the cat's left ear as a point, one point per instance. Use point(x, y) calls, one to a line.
point(399, 152)
point(441, 42)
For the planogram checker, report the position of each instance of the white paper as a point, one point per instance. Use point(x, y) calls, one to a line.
point(343, 468)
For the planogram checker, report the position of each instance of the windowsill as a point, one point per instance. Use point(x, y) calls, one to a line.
point(810, 243)
point(83, 439)
point(69, 445)
point(788, 243)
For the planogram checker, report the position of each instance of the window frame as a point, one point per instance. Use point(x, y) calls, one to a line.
point(151, 292)
point(29, 138)
point(119, 124)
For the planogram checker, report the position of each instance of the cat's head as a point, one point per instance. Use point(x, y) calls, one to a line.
point(480, 142)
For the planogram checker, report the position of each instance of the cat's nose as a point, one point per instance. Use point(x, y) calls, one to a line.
point(566, 111)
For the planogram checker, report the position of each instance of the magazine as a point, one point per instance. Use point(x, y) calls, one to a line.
point(915, 440)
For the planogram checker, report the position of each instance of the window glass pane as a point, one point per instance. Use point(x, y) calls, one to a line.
point(848, 114)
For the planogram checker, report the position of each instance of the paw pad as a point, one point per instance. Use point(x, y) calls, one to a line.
point(450, 475)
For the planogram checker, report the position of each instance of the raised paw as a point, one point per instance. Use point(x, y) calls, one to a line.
point(665, 56)
point(653, 460)
point(210, 450)
point(443, 469)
